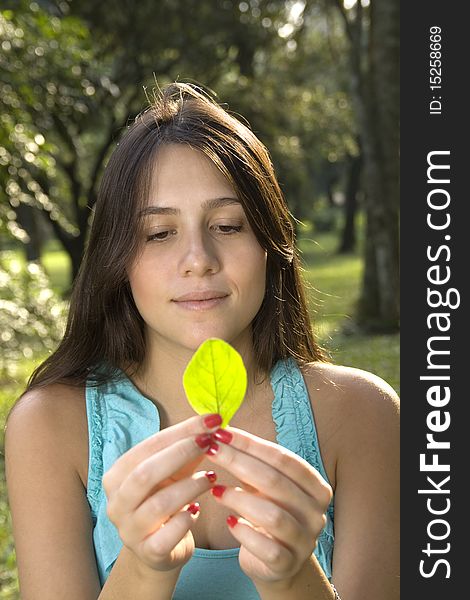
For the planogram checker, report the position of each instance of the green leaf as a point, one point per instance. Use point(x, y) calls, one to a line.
point(215, 379)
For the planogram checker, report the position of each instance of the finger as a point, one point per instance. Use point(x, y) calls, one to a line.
point(273, 519)
point(270, 482)
point(155, 511)
point(143, 480)
point(282, 459)
point(159, 545)
point(162, 439)
point(268, 551)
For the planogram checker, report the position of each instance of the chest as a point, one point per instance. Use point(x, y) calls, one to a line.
point(211, 529)
point(255, 416)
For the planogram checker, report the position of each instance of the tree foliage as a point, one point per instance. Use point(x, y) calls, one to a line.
point(373, 34)
point(75, 72)
point(307, 75)
point(51, 135)
point(32, 317)
point(311, 78)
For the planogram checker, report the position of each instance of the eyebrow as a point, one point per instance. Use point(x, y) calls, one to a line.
point(206, 205)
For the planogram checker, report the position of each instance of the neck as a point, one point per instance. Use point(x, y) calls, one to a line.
point(160, 377)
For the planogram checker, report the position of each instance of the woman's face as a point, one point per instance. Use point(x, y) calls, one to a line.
point(197, 246)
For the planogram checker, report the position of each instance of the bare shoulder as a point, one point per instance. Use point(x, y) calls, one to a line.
point(53, 406)
point(46, 448)
point(344, 388)
point(52, 416)
point(350, 404)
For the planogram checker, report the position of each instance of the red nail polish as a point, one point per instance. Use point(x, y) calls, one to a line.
point(212, 421)
point(203, 440)
point(194, 508)
point(223, 436)
point(232, 521)
point(211, 476)
point(218, 491)
point(213, 449)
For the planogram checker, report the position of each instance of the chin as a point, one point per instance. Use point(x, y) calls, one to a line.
point(197, 336)
point(196, 340)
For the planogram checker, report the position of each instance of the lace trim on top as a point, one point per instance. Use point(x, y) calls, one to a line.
point(95, 467)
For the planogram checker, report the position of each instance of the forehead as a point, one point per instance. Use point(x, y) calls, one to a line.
point(181, 171)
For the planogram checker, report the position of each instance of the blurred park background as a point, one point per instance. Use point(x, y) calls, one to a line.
point(317, 81)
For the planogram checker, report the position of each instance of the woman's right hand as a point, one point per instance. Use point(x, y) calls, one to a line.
point(150, 486)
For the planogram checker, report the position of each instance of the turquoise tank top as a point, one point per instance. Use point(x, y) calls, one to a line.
point(119, 417)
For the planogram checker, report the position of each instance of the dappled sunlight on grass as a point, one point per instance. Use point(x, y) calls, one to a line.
point(379, 354)
point(333, 284)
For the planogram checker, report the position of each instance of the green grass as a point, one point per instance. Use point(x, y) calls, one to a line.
point(333, 287)
point(334, 282)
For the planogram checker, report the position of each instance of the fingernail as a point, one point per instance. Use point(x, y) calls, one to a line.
point(194, 508)
point(212, 421)
point(218, 491)
point(211, 476)
point(232, 521)
point(223, 436)
point(214, 448)
point(203, 440)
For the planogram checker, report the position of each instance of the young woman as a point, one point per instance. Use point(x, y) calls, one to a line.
point(116, 488)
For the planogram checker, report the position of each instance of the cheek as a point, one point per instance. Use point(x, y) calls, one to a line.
point(260, 259)
point(261, 269)
point(144, 280)
point(137, 278)
point(261, 281)
point(253, 265)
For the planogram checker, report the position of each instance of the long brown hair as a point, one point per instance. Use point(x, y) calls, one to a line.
point(105, 331)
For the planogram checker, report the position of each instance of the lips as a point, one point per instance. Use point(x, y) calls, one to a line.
point(200, 295)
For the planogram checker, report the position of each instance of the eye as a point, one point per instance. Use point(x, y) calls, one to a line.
point(159, 236)
point(229, 229)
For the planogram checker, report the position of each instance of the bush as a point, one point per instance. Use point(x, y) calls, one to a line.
point(32, 316)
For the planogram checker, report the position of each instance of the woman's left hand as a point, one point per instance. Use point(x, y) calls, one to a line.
point(282, 504)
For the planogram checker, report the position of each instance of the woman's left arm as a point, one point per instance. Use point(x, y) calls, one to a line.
point(367, 495)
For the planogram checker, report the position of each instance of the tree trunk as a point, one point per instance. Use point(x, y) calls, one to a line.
point(75, 248)
point(375, 91)
point(27, 218)
point(348, 235)
point(379, 302)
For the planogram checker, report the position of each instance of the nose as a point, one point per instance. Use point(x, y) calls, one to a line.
point(199, 255)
